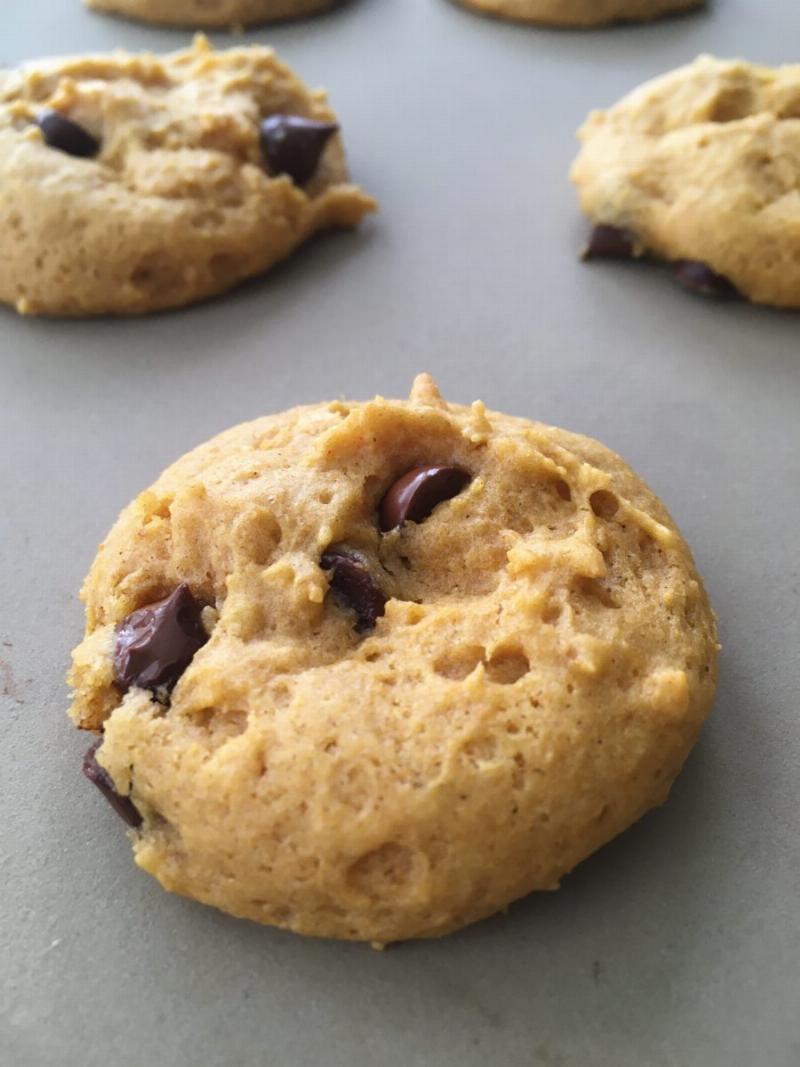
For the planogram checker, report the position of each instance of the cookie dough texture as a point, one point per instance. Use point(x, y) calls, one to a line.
point(704, 164)
point(178, 205)
point(545, 663)
point(212, 12)
point(579, 12)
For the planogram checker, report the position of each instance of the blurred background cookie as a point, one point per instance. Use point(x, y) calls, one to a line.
point(701, 167)
point(133, 183)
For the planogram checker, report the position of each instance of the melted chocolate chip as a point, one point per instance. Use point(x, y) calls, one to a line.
point(293, 145)
point(609, 242)
point(414, 496)
point(698, 278)
point(156, 643)
point(62, 133)
point(123, 806)
point(352, 582)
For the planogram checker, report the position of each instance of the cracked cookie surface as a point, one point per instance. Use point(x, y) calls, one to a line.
point(579, 12)
point(212, 12)
point(177, 202)
point(703, 165)
point(537, 668)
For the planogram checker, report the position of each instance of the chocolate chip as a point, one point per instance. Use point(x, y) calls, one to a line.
point(414, 496)
point(609, 242)
point(698, 278)
point(352, 582)
point(123, 806)
point(293, 145)
point(62, 133)
point(156, 643)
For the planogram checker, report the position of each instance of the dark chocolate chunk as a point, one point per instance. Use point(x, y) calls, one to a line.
point(123, 806)
point(414, 496)
point(68, 136)
point(293, 145)
point(609, 242)
point(156, 643)
point(698, 278)
point(352, 582)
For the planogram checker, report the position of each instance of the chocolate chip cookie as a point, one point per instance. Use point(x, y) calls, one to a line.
point(212, 12)
point(579, 12)
point(133, 183)
point(701, 167)
point(375, 670)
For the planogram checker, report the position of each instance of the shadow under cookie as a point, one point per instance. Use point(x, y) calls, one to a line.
point(579, 13)
point(214, 13)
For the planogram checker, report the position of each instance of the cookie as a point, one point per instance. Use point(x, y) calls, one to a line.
point(212, 12)
point(133, 183)
point(375, 670)
point(579, 12)
point(701, 167)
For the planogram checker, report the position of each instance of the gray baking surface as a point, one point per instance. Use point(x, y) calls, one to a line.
point(676, 946)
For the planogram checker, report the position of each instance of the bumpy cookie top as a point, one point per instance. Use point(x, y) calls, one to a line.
point(172, 198)
point(703, 164)
point(528, 680)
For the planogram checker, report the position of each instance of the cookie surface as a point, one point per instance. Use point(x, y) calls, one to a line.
point(177, 202)
point(579, 12)
point(212, 12)
point(703, 165)
point(529, 681)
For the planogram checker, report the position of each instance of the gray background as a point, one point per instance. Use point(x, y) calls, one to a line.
point(679, 943)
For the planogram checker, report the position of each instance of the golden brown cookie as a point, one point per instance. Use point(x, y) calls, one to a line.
point(579, 12)
point(375, 670)
point(212, 12)
point(133, 183)
point(701, 167)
